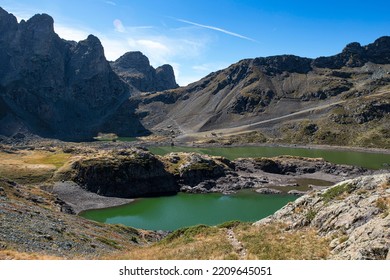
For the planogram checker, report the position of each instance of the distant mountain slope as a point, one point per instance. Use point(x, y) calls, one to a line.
point(254, 91)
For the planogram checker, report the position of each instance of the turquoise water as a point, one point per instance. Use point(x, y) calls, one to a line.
point(182, 210)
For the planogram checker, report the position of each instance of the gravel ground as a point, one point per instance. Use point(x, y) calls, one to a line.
point(80, 199)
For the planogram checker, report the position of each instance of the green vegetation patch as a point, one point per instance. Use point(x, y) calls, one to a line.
point(207, 166)
point(57, 159)
point(230, 224)
point(188, 233)
point(310, 215)
point(337, 191)
point(109, 242)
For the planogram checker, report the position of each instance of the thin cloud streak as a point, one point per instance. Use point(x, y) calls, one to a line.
point(216, 29)
point(110, 3)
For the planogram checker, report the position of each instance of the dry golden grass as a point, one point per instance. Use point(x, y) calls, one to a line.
point(15, 255)
point(196, 243)
point(266, 242)
point(383, 203)
point(273, 242)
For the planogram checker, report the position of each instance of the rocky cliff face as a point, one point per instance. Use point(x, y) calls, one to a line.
point(54, 87)
point(354, 214)
point(129, 173)
point(135, 69)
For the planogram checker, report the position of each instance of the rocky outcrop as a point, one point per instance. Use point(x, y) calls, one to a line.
point(131, 173)
point(135, 69)
point(196, 168)
point(291, 165)
point(56, 88)
point(128, 173)
point(355, 55)
point(354, 215)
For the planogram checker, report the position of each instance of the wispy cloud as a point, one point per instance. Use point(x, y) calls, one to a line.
point(110, 3)
point(216, 29)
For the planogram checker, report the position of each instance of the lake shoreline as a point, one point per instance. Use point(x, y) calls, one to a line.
point(81, 200)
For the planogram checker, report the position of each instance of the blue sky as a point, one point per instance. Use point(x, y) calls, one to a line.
point(197, 36)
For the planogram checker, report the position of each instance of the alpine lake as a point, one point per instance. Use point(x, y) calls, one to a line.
point(183, 210)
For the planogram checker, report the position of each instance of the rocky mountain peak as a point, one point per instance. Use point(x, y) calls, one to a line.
point(135, 69)
point(133, 60)
point(355, 55)
point(282, 63)
point(166, 76)
point(379, 51)
point(354, 47)
point(40, 23)
point(8, 24)
point(88, 58)
point(6, 17)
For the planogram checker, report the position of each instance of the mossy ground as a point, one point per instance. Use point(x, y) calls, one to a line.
point(30, 167)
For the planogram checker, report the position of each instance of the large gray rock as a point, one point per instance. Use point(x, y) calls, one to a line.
point(353, 214)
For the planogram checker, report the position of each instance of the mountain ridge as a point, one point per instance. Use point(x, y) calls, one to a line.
point(259, 89)
point(68, 90)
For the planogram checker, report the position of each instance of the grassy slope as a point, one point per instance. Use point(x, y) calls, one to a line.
point(201, 242)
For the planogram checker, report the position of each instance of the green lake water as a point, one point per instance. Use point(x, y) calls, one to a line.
point(363, 159)
point(182, 210)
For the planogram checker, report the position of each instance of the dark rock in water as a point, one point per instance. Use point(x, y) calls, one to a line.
point(296, 192)
point(135, 69)
point(268, 191)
